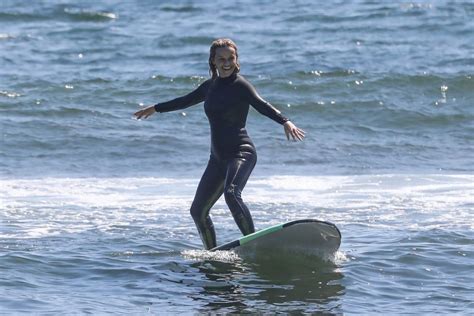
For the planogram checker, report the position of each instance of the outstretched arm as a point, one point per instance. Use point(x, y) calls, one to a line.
point(180, 103)
point(268, 110)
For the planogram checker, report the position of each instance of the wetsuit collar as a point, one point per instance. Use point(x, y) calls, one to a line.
point(227, 79)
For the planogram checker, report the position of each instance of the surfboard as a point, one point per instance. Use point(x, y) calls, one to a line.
point(309, 237)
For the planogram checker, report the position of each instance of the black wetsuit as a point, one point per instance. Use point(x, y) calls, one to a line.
point(233, 154)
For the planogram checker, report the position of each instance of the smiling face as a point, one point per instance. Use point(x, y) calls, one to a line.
point(225, 61)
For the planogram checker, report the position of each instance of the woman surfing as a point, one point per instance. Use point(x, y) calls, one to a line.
point(227, 97)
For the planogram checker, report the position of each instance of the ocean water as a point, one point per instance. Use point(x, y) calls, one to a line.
point(94, 205)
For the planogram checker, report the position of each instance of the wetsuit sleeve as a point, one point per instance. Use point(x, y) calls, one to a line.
point(183, 102)
point(263, 106)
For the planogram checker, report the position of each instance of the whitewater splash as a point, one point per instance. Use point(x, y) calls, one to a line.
point(219, 255)
point(32, 208)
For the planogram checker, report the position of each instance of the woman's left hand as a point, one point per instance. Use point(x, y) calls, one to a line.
point(293, 131)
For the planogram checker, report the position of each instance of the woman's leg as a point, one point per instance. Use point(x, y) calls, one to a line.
point(209, 190)
point(238, 172)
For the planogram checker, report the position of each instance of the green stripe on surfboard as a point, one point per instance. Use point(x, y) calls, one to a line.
point(260, 233)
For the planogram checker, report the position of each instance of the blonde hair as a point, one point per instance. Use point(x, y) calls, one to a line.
point(218, 43)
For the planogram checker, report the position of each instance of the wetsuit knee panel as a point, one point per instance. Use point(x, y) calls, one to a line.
point(232, 194)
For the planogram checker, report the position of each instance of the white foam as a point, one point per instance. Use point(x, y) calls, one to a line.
point(380, 200)
point(43, 207)
point(5, 36)
point(219, 255)
point(339, 258)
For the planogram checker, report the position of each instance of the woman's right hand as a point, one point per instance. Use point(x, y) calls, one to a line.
point(145, 113)
point(293, 131)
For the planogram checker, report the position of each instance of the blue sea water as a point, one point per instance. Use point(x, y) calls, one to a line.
point(94, 206)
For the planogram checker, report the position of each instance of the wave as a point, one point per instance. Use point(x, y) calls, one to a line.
point(19, 16)
point(89, 15)
point(385, 200)
point(334, 73)
point(9, 94)
point(57, 12)
point(177, 41)
point(4, 36)
point(180, 8)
